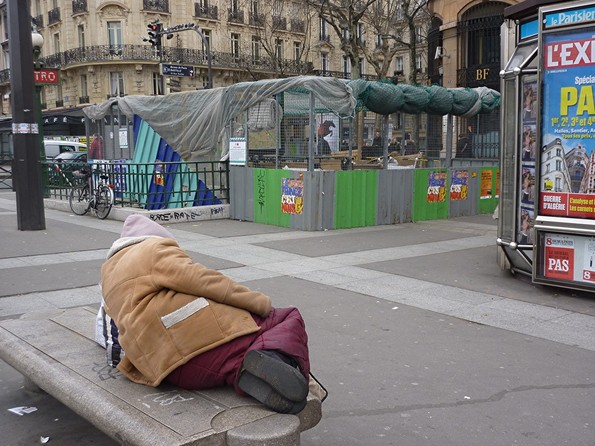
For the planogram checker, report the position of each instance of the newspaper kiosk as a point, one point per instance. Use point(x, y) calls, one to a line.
point(547, 210)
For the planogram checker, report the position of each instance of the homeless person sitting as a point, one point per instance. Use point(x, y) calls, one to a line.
point(194, 327)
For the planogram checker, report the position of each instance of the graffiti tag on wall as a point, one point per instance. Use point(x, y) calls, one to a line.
point(182, 215)
point(260, 185)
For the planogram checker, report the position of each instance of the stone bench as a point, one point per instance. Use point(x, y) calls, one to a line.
point(57, 352)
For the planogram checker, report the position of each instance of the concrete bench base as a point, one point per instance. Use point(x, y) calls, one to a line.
point(57, 352)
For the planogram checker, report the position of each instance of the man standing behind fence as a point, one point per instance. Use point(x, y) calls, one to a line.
point(96, 148)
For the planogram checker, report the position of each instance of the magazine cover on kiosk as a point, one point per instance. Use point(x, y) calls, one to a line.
point(567, 158)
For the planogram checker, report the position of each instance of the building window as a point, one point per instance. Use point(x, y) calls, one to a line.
point(324, 63)
point(378, 40)
point(361, 34)
point(114, 34)
point(234, 6)
point(81, 35)
point(279, 49)
point(323, 30)
point(297, 51)
point(84, 91)
point(207, 34)
point(256, 48)
point(399, 64)
point(116, 79)
point(56, 43)
point(157, 90)
point(235, 45)
point(346, 67)
point(419, 35)
point(418, 62)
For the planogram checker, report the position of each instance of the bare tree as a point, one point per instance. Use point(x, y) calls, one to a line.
point(266, 49)
point(400, 27)
point(346, 19)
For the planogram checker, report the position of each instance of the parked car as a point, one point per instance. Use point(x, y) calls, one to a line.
point(54, 147)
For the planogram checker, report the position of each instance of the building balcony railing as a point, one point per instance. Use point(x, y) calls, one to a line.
point(79, 6)
point(4, 76)
point(482, 75)
point(83, 99)
point(38, 20)
point(297, 26)
point(279, 23)
point(235, 16)
point(256, 19)
point(53, 16)
point(185, 56)
point(156, 5)
point(206, 12)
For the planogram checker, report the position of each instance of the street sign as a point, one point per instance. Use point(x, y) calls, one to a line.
point(46, 76)
point(177, 70)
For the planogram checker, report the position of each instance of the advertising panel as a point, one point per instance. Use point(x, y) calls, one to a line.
point(568, 257)
point(567, 181)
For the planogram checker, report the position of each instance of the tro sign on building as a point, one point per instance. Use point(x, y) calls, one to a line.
point(46, 76)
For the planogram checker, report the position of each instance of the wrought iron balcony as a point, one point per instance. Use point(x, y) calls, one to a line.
point(256, 19)
point(79, 6)
point(206, 12)
point(235, 16)
point(143, 53)
point(4, 76)
point(38, 20)
point(83, 99)
point(279, 23)
point(297, 26)
point(156, 5)
point(53, 16)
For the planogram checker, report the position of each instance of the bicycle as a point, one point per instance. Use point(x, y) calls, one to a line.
point(83, 197)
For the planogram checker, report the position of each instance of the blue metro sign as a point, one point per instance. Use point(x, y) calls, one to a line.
point(177, 70)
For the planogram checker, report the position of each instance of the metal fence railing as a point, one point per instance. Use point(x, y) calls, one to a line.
point(163, 185)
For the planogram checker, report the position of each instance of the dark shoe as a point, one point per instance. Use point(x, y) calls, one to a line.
point(273, 368)
point(264, 393)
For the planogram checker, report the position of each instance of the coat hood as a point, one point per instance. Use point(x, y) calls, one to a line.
point(136, 229)
point(137, 225)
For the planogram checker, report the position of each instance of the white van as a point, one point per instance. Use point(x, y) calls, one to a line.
point(55, 147)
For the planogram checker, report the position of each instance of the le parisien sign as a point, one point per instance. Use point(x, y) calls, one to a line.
point(46, 76)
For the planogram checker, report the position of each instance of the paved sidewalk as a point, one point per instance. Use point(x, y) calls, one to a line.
point(415, 331)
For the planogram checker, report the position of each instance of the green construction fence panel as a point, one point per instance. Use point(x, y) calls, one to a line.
point(267, 197)
point(356, 196)
point(489, 189)
point(430, 194)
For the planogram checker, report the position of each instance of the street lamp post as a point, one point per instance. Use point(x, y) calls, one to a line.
point(25, 129)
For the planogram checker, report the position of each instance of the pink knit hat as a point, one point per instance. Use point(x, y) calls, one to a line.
point(137, 225)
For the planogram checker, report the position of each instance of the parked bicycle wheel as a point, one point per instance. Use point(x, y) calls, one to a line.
point(105, 199)
point(79, 199)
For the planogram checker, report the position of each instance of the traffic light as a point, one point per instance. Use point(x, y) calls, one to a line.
point(154, 29)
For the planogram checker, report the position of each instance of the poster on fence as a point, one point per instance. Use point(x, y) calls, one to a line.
point(486, 184)
point(436, 187)
point(292, 196)
point(459, 185)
